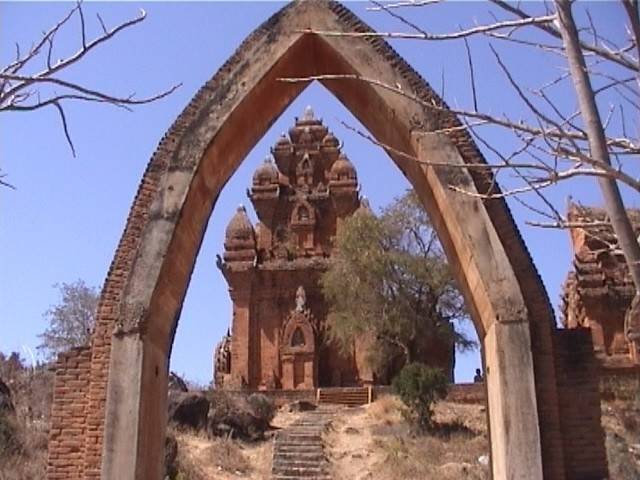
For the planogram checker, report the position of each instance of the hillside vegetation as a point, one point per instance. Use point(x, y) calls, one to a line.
point(370, 442)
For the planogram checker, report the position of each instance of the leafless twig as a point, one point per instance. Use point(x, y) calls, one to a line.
point(21, 92)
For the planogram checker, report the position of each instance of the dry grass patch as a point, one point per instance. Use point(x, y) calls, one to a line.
point(430, 456)
point(375, 442)
point(622, 437)
point(386, 409)
point(204, 458)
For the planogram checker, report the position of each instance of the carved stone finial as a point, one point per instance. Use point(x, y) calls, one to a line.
point(308, 113)
point(301, 299)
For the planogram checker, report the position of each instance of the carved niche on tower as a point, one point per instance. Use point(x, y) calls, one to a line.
point(298, 355)
point(222, 361)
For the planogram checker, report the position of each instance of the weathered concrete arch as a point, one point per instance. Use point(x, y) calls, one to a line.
point(125, 417)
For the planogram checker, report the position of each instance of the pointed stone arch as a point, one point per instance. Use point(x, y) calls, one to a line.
point(125, 417)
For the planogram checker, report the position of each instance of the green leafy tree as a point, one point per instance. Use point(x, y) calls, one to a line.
point(71, 321)
point(389, 280)
point(419, 387)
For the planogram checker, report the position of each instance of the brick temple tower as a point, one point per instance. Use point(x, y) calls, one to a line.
point(599, 289)
point(273, 270)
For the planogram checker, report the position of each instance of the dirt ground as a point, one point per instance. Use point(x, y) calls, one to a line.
point(374, 442)
point(203, 458)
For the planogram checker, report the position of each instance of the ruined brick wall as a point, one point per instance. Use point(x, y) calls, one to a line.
point(86, 462)
point(69, 415)
point(579, 397)
point(108, 310)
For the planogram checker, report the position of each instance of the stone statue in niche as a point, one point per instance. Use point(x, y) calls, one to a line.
point(297, 339)
point(222, 360)
point(301, 299)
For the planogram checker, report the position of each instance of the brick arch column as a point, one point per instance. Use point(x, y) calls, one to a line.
point(147, 281)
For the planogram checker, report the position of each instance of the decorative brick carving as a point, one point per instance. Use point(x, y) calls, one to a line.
point(599, 289)
point(300, 200)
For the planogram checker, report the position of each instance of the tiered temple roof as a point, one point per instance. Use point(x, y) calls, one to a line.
point(599, 289)
point(599, 267)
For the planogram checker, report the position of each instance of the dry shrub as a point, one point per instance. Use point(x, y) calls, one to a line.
point(226, 454)
point(188, 468)
point(621, 462)
point(31, 388)
point(630, 421)
point(619, 388)
point(10, 437)
point(450, 451)
point(385, 407)
point(23, 450)
point(391, 429)
point(219, 455)
point(24, 433)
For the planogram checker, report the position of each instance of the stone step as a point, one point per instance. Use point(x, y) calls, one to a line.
point(298, 452)
point(299, 437)
point(287, 477)
point(345, 396)
point(303, 472)
point(299, 449)
point(298, 463)
point(296, 446)
point(307, 430)
point(314, 455)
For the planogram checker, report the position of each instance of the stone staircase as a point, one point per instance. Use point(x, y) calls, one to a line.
point(350, 396)
point(298, 452)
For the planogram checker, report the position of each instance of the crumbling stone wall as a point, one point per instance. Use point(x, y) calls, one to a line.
point(68, 422)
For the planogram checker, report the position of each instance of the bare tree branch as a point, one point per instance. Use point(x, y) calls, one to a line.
point(631, 7)
point(21, 92)
point(446, 36)
point(622, 143)
point(471, 74)
point(617, 57)
point(598, 146)
point(409, 3)
point(65, 126)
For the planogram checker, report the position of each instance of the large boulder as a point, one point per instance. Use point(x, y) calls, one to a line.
point(176, 383)
point(188, 409)
point(240, 424)
point(262, 406)
point(300, 406)
point(236, 416)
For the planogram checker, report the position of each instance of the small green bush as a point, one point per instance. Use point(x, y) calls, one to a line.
point(419, 387)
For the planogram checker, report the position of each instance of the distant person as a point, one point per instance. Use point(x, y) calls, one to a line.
point(478, 378)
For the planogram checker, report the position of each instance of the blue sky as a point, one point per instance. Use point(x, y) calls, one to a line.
point(67, 214)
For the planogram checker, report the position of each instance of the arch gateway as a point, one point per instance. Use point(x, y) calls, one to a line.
point(109, 411)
